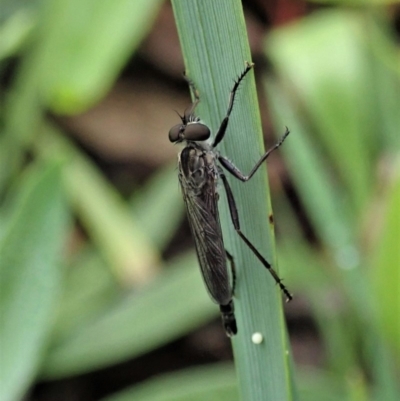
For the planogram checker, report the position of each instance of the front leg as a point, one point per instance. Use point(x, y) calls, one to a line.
point(224, 125)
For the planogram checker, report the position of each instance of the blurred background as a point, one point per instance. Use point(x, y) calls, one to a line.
point(101, 296)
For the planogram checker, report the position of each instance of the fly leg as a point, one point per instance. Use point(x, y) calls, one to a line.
point(190, 110)
point(222, 128)
point(233, 270)
point(228, 310)
point(228, 165)
point(235, 220)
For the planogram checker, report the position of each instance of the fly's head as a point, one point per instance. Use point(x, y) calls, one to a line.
point(191, 129)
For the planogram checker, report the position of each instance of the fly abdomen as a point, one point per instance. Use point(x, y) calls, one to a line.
point(228, 318)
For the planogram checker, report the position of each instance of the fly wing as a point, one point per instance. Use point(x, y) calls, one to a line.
point(204, 222)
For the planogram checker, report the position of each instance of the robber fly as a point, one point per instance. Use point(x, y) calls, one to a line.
point(198, 177)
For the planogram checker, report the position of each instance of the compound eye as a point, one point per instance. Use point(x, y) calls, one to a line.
point(174, 132)
point(197, 132)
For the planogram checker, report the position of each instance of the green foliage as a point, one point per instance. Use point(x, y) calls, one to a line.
point(30, 276)
point(134, 324)
point(336, 86)
point(196, 384)
point(331, 75)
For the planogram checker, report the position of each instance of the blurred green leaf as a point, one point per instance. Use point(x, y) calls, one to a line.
point(170, 306)
point(14, 33)
point(307, 269)
point(30, 276)
point(330, 85)
point(319, 384)
point(89, 289)
point(335, 195)
point(385, 259)
point(328, 97)
point(102, 211)
point(216, 382)
point(84, 45)
point(77, 51)
point(158, 206)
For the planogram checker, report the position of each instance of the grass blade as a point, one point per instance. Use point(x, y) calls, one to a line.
point(215, 47)
point(30, 278)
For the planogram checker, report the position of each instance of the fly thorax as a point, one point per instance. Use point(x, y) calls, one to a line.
point(197, 169)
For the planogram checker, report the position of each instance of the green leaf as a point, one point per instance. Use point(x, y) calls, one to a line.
point(215, 47)
point(101, 209)
point(14, 33)
point(84, 46)
point(385, 258)
point(336, 87)
point(89, 288)
point(30, 258)
point(216, 382)
point(77, 51)
point(170, 306)
point(158, 206)
point(330, 85)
